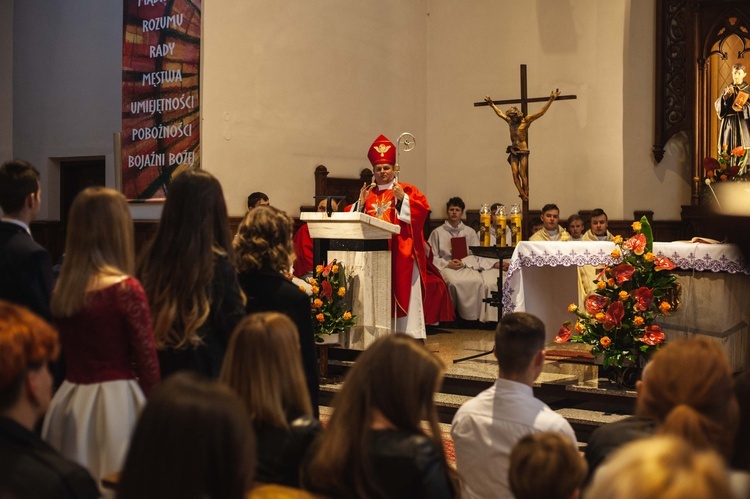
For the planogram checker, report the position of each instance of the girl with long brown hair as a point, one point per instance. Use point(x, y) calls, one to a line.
point(375, 445)
point(188, 273)
point(264, 367)
point(105, 332)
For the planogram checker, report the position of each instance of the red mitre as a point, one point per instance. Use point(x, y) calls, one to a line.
point(382, 152)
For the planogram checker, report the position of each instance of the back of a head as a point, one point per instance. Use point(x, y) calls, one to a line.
point(26, 343)
point(263, 366)
point(518, 338)
point(18, 179)
point(545, 466)
point(194, 217)
point(397, 377)
point(193, 440)
point(688, 390)
point(255, 198)
point(265, 240)
point(99, 240)
point(661, 467)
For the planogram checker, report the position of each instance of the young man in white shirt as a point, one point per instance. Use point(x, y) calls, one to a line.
point(486, 428)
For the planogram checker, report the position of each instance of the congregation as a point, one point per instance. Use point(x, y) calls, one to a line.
point(190, 370)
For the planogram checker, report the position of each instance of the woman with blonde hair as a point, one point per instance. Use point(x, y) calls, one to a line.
point(263, 366)
point(374, 445)
point(105, 332)
point(188, 273)
point(661, 467)
point(265, 251)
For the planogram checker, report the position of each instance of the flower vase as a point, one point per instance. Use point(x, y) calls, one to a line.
point(328, 339)
point(622, 377)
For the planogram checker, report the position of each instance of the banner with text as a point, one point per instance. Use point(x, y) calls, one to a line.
point(160, 94)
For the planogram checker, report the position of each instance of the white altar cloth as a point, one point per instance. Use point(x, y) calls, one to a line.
point(542, 280)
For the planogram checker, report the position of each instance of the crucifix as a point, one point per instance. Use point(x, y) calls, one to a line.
point(519, 122)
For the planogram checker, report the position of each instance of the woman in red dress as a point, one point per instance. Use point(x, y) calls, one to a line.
point(105, 332)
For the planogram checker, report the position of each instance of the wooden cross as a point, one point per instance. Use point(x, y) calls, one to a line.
point(524, 101)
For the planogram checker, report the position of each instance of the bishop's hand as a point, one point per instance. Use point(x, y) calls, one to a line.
point(364, 192)
point(398, 191)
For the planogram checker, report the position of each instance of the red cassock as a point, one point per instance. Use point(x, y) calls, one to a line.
point(303, 251)
point(438, 306)
point(408, 246)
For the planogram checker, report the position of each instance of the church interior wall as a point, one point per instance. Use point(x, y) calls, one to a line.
point(287, 86)
point(6, 78)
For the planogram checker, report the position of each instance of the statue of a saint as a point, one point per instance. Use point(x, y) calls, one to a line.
point(734, 112)
point(518, 150)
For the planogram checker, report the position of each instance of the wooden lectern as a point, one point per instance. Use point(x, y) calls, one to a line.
point(361, 243)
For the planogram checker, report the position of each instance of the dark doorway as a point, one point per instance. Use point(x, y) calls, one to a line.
point(75, 176)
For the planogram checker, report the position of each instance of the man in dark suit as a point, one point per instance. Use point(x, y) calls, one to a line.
point(25, 266)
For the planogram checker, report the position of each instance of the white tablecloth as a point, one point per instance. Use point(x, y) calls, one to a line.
point(542, 280)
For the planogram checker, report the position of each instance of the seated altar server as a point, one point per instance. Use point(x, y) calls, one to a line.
point(575, 227)
point(402, 204)
point(551, 230)
point(598, 230)
point(463, 272)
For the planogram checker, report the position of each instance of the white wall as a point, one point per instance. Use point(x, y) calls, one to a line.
point(6, 80)
point(290, 85)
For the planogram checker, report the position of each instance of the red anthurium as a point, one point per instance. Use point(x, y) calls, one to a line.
point(710, 164)
point(643, 297)
point(623, 272)
point(602, 275)
point(738, 151)
point(732, 171)
point(613, 316)
point(663, 263)
point(595, 303)
point(327, 269)
point(637, 243)
point(326, 290)
point(564, 333)
point(653, 336)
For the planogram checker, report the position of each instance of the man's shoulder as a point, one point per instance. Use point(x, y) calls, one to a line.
point(538, 236)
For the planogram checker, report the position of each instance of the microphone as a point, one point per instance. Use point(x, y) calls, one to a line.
point(708, 183)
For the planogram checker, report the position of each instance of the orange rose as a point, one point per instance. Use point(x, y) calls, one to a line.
point(600, 316)
point(723, 177)
point(342, 291)
point(335, 269)
point(315, 290)
point(617, 240)
point(649, 257)
point(347, 316)
point(319, 269)
point(665, 307)
point(302, 288)
point(317, 303)
point(601, 285)
point(572, 307)
point(605, 341)
point(738, 151)
point(320, 317)
point(611, 282)
point(615, 253)
point(624, 295)
point(579, 327)
point(313, 282)
point(636, 226)
point(638, 320)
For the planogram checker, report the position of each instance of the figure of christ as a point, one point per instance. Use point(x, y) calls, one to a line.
point(518, 150)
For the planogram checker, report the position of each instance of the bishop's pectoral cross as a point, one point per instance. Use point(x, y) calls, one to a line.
point(519, 123)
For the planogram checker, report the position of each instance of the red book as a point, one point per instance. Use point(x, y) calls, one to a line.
point(459, 250)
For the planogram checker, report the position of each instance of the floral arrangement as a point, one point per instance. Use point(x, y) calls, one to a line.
point(618, 320)
point(731, 165)
point(327, 301)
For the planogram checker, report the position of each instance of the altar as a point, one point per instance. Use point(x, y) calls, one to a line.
point(542, 279)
